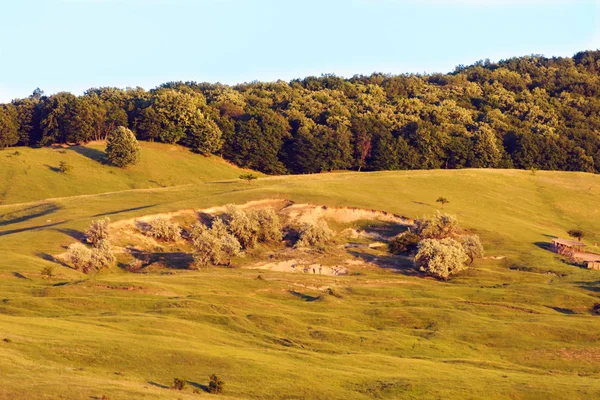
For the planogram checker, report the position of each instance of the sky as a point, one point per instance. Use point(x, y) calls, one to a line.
point(73, 45)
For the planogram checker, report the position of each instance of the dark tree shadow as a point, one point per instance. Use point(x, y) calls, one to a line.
point(175, 260)
point(386, 230)
point(92, 154)
point(80, 236)
point(565, 311)
point(123, 211)
point(31, 228)
point(303, 296)
point(51, 168)
point(25, 214)
point(51, 258)
point(205, 218)
point(400, 264)
point(198, 386)
point(158, 385)
point(20, 276)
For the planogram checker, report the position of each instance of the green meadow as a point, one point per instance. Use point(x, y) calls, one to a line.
point(519, 325)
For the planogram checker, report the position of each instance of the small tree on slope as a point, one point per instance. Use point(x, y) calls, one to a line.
point(122, 148)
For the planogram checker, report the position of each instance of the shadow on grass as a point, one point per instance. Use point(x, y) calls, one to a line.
point(80, 236)
point(303, 296)
point(400, 264)
point(25, 214)
point(544, 245)
point(92, 154)
point(174, 260)
point(565, 311)
point(198, 386)
point(30, 228)
point(51, 168)
point(51, 258)
point(123, 211)
point(158, 385)
point(20, 276)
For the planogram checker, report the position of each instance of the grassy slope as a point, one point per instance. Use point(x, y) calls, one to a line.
point(493, 332)
point(32, 174)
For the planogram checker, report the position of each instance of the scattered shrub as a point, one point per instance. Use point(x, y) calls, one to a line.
point(472, 246)
point(438, 226)
point(47, 272)
point(443, 201)
point(97, 231)
point(215, 384)
point(102, 255)
point(269, 225)
point(405, 243)
point(243, 227)
point(64, 167)
point(315, 235)
point(179, 384)
point(80, 256)
point(596, 309)
point(248, 177)
point(7, 340)
point(441, 258)
point(163, 229)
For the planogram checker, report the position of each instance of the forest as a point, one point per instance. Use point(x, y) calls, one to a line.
point(528, 112)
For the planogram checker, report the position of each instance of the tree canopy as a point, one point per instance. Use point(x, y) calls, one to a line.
point(528, 112)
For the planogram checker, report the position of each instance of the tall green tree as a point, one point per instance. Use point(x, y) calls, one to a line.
point(122, 148)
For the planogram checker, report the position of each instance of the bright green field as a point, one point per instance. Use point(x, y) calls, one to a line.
point(32, 174)
point(519, 328)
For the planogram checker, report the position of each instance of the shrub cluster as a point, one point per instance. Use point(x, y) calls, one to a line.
point(215, 384)
point(441, 257)
point(317, 234)
point(236, 230)
point(100, 256)
point(97, 231)
point(163, 229)
point(214, 246)
point(442, 247)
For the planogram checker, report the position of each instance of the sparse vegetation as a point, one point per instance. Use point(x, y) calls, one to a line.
point(179, 384)
point(64, 167)
point(249, 177)
point(443, 201)
point(215, 384)
point(47, 272)
point(576, 234)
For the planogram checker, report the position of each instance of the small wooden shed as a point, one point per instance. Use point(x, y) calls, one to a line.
point(567, 247)
point(593, 264)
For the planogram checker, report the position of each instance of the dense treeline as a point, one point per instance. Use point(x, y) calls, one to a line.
point(527, 112)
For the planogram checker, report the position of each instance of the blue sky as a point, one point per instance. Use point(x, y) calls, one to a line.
point(77, 44)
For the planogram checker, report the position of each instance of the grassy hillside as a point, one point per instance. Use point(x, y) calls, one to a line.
point(519, 327)
point(28, 174)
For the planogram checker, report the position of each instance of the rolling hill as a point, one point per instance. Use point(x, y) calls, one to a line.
point(517, 325)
